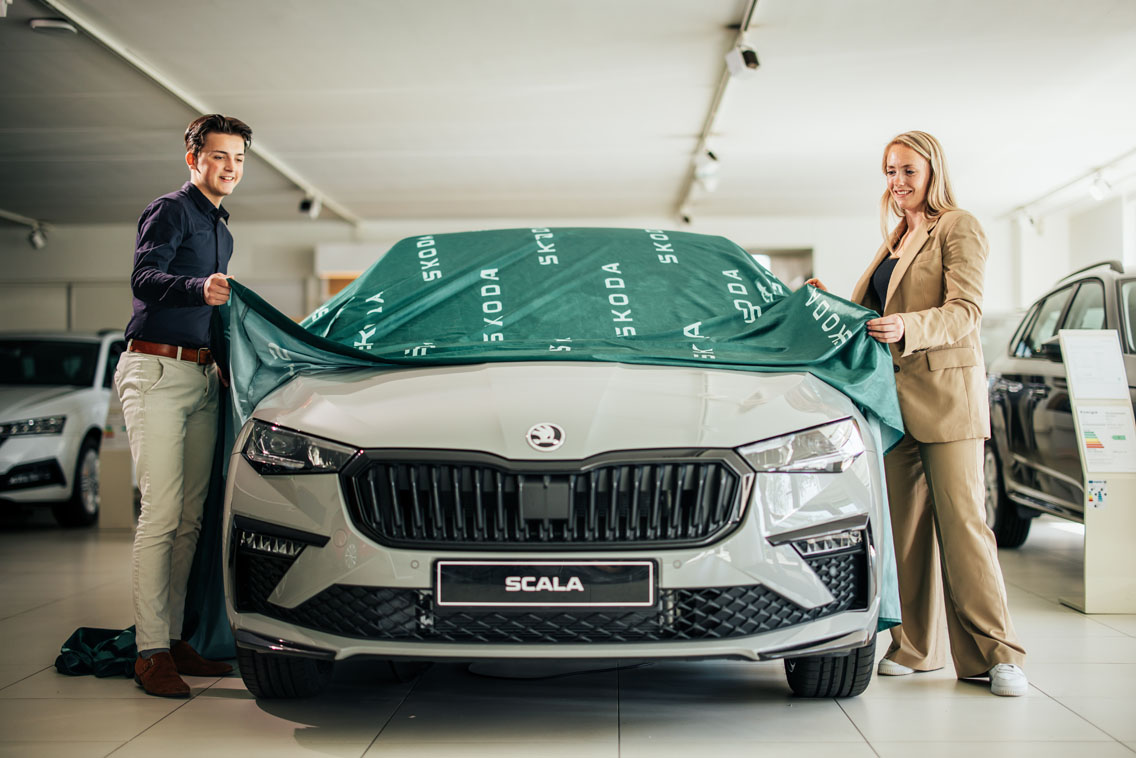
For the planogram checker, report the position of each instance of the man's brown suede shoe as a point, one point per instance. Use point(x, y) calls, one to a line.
point(158, 676)
point(190, 662)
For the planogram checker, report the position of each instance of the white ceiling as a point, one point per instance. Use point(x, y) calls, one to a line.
point(546, 109)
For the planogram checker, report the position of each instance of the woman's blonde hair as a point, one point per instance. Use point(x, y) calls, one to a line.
point(940, 196)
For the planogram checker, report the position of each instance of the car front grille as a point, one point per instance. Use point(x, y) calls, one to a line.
point(408, 615)
point(482, 502)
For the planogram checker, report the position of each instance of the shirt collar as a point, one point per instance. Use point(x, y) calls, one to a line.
point(203, 204)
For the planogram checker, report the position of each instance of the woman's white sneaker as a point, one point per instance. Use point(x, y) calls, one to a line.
point(888, 667)
point(1008, 680)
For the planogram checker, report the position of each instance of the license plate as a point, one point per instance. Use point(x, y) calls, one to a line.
point(545, 584)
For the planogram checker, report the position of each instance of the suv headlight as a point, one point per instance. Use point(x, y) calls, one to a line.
point(45, 425)
point(827, 449)
point(271, 449)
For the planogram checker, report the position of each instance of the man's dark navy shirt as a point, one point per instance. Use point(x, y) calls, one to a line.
point(182, 240)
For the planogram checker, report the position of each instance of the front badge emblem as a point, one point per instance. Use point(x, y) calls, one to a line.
point(545, 437)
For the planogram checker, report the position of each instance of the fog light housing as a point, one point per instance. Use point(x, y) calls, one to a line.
point(268, 544)
point(826, 544)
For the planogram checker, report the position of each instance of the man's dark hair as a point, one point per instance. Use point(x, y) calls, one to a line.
point(197, 131)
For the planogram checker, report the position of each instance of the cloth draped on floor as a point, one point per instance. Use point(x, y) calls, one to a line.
point(638, 296)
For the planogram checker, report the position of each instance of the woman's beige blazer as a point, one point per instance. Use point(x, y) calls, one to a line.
point(937, 289)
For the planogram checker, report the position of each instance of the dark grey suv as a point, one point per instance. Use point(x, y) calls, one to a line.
point(1032, 463)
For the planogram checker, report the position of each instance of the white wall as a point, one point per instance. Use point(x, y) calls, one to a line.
point(81, 278)
point(1097, 233)
point(1066, 239)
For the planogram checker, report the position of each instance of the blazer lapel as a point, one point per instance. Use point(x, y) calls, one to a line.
point(915, 241)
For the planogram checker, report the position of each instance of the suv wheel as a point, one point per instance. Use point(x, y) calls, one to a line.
point(272, 676)
point(839, 675)
point(82, 508)
point(1010, 529)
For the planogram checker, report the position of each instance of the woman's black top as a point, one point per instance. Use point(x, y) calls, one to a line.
point(881, 277)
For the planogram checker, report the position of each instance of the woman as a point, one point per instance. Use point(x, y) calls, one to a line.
point(926, 282)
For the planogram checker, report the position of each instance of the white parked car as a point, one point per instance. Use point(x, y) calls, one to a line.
point(54, 393)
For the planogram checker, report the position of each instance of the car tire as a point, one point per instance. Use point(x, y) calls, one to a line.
point(82, 508)
point(1010, 529)
point(839, 675)
point(269, 676)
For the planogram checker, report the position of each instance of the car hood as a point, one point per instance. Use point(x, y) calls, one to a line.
point(600, 407)
point(17, 400)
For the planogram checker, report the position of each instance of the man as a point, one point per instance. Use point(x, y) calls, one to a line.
point(168, 383)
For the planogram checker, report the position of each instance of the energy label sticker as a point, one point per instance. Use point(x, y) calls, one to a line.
point(1097, 492)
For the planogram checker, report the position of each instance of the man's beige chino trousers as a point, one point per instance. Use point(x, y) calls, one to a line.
point(170, 407)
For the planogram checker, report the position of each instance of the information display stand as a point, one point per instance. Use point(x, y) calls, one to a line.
point(1106, 439)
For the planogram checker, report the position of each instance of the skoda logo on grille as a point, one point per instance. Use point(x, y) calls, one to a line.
point(545, 437)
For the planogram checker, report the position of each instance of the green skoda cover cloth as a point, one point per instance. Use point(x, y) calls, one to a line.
point(573, 294)
point(632, 296)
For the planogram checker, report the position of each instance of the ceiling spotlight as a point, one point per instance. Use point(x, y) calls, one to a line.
point(706, 164)
point(706, 167)
point(52, 24)
point(37, 239)
point(1025, 217)
point(1100, 188)
point(311, 205)
point(708, 183)
point(741, 61)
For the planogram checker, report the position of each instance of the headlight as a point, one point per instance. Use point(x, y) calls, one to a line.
point(274, 450)
point(827, 449)
point(45, 425)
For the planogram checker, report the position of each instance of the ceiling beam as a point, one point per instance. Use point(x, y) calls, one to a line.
point(165, 82)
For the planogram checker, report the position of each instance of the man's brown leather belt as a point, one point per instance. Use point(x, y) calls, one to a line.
point(201, 356)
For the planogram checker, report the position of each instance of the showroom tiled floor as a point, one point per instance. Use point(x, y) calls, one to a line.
point(1082, 702)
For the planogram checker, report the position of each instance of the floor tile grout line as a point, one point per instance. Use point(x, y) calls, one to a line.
point(1060, 606)
point(187, 701)
point(34, 608)
point(61, 599)
point(856, 727)
point(22, 679)
point(1121, 631)
point(618, 709)
point(1082, 718)
point(413, 685)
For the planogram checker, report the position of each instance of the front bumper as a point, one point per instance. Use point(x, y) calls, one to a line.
point(37, 468)
point(344, 595)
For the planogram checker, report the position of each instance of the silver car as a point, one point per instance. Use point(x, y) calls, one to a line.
point(569, 510)
point(55, 389)
point(1032, 465)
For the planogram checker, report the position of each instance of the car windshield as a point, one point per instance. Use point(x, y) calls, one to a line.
point(1128, 313)
point(58, 362)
